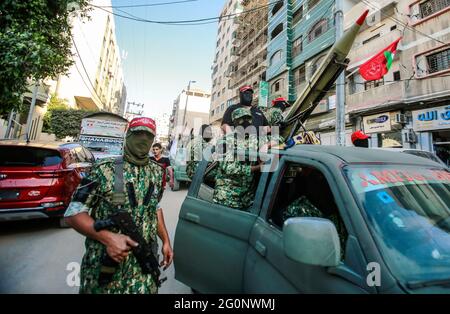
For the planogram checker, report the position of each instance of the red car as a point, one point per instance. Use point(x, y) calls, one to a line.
point(37, 180)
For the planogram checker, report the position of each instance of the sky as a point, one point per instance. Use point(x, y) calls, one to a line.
point(161, 59)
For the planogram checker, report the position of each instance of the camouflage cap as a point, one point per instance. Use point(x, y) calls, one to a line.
point(240, 113)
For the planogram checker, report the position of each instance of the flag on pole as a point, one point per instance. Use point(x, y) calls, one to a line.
point(379, 65)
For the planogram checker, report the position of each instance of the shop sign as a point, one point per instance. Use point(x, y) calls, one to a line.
point(103, 127)
point(263, 97)
point(377, 123)
point(431, 119)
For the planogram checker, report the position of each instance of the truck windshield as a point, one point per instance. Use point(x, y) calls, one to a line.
point(407, 209)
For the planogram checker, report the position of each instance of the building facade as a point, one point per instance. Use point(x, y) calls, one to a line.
point(300, 34)
point(410, 106)
point(183, 120)
point(95, 81)
point(249, 67)
point(224, 61)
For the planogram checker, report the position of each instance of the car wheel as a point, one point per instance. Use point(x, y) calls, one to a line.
point(63, 223)
point(176, 185)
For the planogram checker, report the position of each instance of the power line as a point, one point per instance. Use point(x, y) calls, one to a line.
point(86, 72)
point(190, 22)
point(403, 24)
point(145, 5)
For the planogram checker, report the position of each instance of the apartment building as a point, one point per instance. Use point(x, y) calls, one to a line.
point(224, 61)
point(410, 106)
point(190, 110)
point(95, 81)
point(249, 68)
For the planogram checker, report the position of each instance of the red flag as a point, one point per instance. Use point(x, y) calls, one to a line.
point(379, 65)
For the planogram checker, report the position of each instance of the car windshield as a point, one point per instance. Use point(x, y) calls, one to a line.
point(407, 209)
point(20, 156)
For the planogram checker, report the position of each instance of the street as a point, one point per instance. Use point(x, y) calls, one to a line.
point(34, 255)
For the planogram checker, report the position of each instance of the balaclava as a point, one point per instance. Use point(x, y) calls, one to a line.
point(246, 95)
point(138, 141)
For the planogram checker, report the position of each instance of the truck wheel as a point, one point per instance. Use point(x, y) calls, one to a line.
point(176, 185)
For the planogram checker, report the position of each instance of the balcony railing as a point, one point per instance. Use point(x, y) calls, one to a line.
point(374, 97)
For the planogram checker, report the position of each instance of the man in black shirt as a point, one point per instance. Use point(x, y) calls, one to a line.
point(246, 98)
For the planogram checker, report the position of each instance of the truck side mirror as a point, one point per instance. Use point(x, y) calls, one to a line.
point(312, 241)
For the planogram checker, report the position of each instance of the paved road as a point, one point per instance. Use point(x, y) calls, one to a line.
point(34, 255)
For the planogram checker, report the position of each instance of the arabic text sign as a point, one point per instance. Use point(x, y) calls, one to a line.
point(103, 127)
point(431, 119)
point(378, 123)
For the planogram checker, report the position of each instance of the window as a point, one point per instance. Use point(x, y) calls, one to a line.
point(276, 31)
point(276, 57)
point(277, 86)
point(397, 76)
point(317, 30)
point(439, 61)
point(277, 7)
point(394, 27)
point(297, 16)
point(370, 39)
point(17, 156)
point(303, 191)
point(297, 46)
point(312, 3)
point(299, 75)
point(430, 7)
point(222, 106)
point(372, 84)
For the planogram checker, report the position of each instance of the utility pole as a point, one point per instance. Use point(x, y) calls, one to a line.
point(185, 106)
point(10, 122)
point(340, 83)
point(30, 113)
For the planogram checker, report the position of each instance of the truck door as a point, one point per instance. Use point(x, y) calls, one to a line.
point(267, 268)
point(211, 240)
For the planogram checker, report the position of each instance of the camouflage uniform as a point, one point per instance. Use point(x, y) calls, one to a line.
point(302, 207)
point(234, 179)
point(274, 116)
point(195, 149)
point(128, 277)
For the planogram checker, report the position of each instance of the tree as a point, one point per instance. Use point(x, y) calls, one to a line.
point(61, 120)
point(54, 103)
point(67, 122)
point(35, 43)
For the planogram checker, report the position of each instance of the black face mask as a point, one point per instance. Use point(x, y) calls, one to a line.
point(362, 143)
point(246, 98)
point(281, 105)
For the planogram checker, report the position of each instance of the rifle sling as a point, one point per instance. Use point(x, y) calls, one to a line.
point(118, 198)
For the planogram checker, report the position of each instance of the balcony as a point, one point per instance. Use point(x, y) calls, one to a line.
point(372, 98)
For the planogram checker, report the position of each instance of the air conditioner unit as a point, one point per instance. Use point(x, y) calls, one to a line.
point(410, 136)
point(401, 118)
